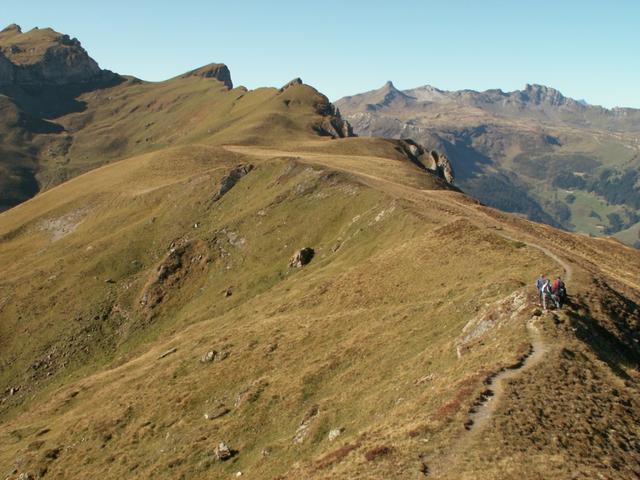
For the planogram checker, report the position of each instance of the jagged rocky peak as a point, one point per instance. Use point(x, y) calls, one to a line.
point(539, 94)
point(390, 90)
point(45, 57)
point(386, 96)
point(389, 86)
point(219, 71)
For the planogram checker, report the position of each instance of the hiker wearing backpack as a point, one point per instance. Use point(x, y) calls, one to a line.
point(559, 292)
point(545, 293)
point(539, 283)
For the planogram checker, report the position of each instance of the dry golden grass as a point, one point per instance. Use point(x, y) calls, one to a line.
point(363, 338)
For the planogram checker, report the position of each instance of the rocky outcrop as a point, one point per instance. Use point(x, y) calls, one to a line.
point(223, 452)
point(430, 160)
point(442, 166)
point(543, 95)
point(214, 356)
point(46, 57)
point(218, 71)
point(333, 124)
point(301, 257)
point(303, 428)
point(184, 259)
point(230, 179)
point(295, 81)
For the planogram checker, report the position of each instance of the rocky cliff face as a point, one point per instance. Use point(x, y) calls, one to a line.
point(431, 160)
point(45, 57)
point(6, 70)
point(219, 71)
point(332, 123)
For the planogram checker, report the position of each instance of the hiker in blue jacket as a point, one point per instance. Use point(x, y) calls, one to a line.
point(539, 284)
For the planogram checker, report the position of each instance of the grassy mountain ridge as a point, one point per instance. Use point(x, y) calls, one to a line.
point(149, 308)
point(363, 339)
point(55, 127)
point(532, 151)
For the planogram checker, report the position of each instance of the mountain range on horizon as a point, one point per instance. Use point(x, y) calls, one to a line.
point(531, 93)
point(531, 151)
point(205, 281)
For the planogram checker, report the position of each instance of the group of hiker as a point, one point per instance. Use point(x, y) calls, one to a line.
point(551, 293)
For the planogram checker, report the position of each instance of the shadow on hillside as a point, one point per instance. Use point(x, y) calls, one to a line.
point(614, 339)
point(17, 178)
point(52, 101)
point(469, 162)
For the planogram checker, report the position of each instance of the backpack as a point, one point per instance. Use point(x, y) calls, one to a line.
point(562, 291)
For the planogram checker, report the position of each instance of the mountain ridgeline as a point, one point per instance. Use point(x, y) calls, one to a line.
point(61, 115)
point(205, 281)
point(531, 151)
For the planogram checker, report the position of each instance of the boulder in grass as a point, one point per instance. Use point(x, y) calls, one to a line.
point(223, 452)
point(301, 257)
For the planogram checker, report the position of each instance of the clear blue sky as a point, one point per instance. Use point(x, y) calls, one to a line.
point(586, 49)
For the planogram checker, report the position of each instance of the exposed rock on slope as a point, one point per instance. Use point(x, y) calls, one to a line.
point(229, 181)
point(301, 257)
point(431, 160)
point(291, 83)
point(219, 71)
point(6, 70)
point(333, 124)
point(45, 57)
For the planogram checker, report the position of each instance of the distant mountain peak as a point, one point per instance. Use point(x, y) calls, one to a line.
point(429, 88)
point(539, 94)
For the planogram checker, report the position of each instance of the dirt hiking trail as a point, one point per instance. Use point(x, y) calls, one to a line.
point(490, 399)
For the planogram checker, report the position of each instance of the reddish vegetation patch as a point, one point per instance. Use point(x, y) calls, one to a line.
point(465, 391)
point(418, 431)
point(337, 456)
point(376, 452)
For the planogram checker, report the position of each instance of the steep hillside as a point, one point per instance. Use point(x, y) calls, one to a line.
point(532, 151)
point(149, 311)
point(217, 283)
point(60, 115)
